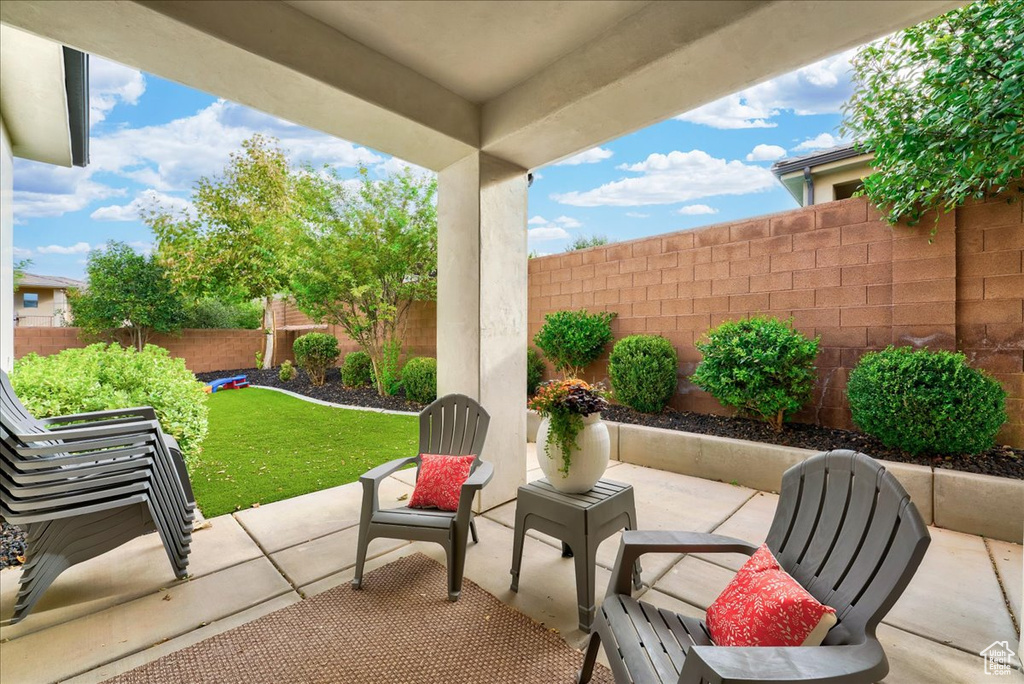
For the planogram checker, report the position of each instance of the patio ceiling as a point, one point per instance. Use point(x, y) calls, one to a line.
point(430, 82)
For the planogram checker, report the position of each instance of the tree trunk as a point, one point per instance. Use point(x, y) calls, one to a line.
point(268, 332)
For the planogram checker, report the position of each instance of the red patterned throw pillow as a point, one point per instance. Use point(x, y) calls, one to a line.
point(440, 481)
point(765, 606)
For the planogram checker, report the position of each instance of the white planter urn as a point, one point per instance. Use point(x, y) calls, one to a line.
point(589, 461)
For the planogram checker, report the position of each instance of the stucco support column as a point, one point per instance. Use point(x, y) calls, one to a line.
point(6, 251)
point(481, 306)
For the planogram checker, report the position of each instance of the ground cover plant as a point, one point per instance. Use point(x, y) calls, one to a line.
point(101, 377)
point(644, 372)
point(265, 446)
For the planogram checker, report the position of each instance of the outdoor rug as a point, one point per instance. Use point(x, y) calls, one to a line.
point(399, 629)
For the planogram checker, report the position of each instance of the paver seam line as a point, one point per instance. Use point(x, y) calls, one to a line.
point(347, 567)
point(266, 555)
point(1002, 588)
point(331, 404)
point(174, 636)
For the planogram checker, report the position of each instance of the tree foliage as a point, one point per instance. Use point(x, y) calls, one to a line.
point(586, 242)
point(571, 340)
point(366, 257)
point(20, 267)
point(234, 242)
point(128, 299)
point(941, 107)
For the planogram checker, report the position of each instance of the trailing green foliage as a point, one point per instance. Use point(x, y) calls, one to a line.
point(926, 401)
point(101, 377)
point(586, 242)
point(386, 373)
point(210, 312)
point(535, 368)
point(760, 366)
point(128, 298)
point(941, 107)
point(357, 370)
point(419, 377)
point(573, 339)
point(287, 371)
point(315, 353)
point(643, 370)
point(565, 403)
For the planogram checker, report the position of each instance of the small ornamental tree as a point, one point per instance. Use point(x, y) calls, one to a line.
point(941, 107)
point(760, 366)
point(573, 339)
point(315, 353)
point(368, 257)
point(128, 298)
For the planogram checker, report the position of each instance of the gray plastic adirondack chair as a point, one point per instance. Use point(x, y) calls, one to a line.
point(453, 425)
point(845, 529)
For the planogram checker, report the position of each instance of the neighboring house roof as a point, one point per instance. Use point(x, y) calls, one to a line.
point(784, 166)
point(44, 282)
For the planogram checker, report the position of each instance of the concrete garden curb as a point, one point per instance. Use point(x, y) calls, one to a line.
point(984, 505)
point(333, 405)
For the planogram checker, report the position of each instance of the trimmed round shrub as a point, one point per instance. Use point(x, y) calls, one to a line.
point(287, 371)
point(643, 370)
point(420, 379)
point(315, 353)
point(357, 370)
point(101, 377)
point(760, 366)
point(926, 401)
point(535, 368)
point(573, 339)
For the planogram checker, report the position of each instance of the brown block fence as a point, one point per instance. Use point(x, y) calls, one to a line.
point(837, 269)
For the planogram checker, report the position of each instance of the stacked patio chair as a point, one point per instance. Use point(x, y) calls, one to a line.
point(82, 485)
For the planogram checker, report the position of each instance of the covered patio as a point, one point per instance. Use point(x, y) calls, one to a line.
point(113, 614)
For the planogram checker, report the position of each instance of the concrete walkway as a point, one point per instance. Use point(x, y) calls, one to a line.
point(121, 610)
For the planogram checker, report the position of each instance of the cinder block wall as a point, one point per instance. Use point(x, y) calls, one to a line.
point(837, 269)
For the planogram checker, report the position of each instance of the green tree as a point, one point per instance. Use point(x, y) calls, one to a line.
point(586, 241)
point(941, 106)
point(20, 267)
point(128, 299)
point(365, 257)
point(235, 242)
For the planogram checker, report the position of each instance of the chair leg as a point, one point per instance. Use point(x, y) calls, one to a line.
point(456, 566)
point(472, 531)
point(361, 544)
point(587, 671)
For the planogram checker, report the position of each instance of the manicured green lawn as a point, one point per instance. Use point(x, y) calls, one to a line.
point(265, 446)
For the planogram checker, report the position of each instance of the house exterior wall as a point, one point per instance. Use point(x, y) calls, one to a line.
point(47, 314)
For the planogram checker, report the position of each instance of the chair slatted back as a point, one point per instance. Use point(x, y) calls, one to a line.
point(454, 425)
point(847, 531)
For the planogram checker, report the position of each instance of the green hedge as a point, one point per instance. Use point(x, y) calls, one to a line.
point(419, 376)
point(760, 366)
point(535, 368)
point(315, 353)
point(214, 313)
point(926, 401)
point(102, 377)
point(357, 370)
point(644, 372)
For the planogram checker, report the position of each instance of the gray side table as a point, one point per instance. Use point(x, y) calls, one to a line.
point(581, 522)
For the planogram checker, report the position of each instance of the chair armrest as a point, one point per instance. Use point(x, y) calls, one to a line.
point(636, 543)
point(75, 433)
point(473, 484)
point(135, 413)
point(382, 471)
point(864, 662)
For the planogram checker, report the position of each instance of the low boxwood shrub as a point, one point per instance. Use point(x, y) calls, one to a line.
point(357, 369)
point(643, 370)
point(315, 353)
point(926, 401)
point(573, 339)
point(287, 371)
point(535, 368)
point(102, 377)
point(420, 379)
point(760, 366)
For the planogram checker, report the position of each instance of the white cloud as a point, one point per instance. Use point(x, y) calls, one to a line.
point(538, 221)
point(675, 177)
point(766, 153)
point(395, 165)
point(546, 233)
point(637, 214)
point(696, 210)
point(147, 199)
point(822, 141)
point(77, 248)
point(567, 222)
point(44, 190)
point(591, 156)
point(819, 88)
point(22, 253)
point(111, 84)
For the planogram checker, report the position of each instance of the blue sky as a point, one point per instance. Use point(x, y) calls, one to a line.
point(151, 139)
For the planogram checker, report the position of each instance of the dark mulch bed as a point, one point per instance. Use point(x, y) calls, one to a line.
point(12, 545)
point(332, 391)
point(1000, 460)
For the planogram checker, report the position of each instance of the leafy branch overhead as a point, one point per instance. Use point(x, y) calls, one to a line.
point(941, 107)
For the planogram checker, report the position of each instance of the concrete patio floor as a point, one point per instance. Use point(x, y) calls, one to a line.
point(123, 609)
